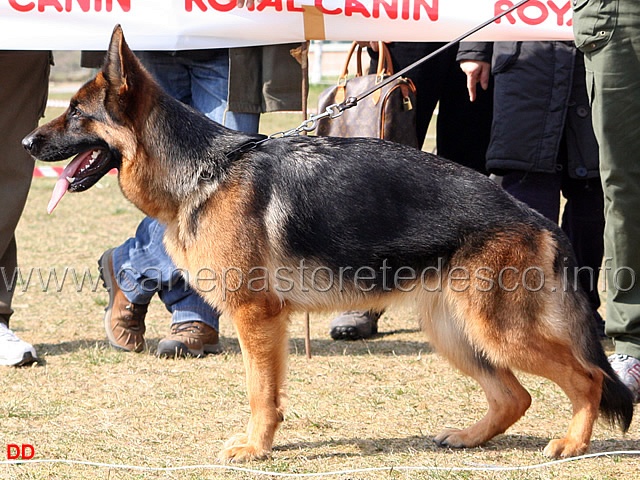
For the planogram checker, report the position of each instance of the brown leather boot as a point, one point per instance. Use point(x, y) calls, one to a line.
point(123, 320)
point(189, 339)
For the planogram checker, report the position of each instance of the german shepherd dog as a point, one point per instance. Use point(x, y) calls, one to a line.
point(303, 223)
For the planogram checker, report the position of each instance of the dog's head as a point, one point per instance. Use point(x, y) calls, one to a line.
point(98, 128)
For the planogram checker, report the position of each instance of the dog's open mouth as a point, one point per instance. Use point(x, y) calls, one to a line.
point(82, 173)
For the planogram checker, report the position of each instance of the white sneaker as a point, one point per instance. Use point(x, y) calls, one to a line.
point(13, 351)
point(628, 370)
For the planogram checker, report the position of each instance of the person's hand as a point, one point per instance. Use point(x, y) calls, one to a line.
point(477, 72)
point(248, 3)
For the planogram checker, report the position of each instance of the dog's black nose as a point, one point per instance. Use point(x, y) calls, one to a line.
point(28, 142)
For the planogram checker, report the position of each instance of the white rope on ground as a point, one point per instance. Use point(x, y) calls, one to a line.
point(485, 468)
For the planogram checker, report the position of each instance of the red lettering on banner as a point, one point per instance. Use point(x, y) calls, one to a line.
point(219, 6)
point(22, 8)
point(407, 9)
point(277, 4)
point(418, 5)
point(42, 4)
point(320, 7)
point(188, 5)
point(533, 4)
point(292, 8)
point(534, 12)
point(432, 10)
point(560, 12)
point(391, 9)
point(354, 6)
point(69, 5)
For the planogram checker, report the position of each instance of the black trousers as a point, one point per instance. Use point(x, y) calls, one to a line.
point(463, 128)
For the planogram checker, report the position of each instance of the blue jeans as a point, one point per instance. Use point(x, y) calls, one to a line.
point(141, 264)
point(204, 85)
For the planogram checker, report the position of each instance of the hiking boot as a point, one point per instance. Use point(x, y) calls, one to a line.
point(13, 351)
point(123, 320)
point(628, 370)
point(189, 339)
point(354, 325)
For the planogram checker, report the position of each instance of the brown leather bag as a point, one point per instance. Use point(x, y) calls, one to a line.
point(387, 113)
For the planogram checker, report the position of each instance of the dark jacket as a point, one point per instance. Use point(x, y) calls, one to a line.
point(539, 91)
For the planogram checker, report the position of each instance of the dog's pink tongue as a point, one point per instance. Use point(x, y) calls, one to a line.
point(62, 185)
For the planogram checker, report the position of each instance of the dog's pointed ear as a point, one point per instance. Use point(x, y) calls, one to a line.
point(118, 63)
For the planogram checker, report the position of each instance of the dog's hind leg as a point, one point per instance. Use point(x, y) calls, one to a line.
point(583, 387)
point(262, 332)
point(507, 398)
point(508, 401)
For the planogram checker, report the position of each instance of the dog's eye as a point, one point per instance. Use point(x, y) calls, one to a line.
point(74, 112)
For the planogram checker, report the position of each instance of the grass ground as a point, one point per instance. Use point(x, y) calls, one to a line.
point(362, 405)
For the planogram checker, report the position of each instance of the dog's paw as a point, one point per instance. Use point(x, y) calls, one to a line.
point(564, 448)
point(451, 437)
point(239, 449)
point(456, 438)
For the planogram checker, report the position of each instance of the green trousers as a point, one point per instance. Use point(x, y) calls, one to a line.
point(24, 79)
point(608, 32)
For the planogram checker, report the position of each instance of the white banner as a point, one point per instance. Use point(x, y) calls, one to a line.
point(190, 24)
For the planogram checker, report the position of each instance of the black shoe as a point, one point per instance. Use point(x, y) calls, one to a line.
point(355, 325)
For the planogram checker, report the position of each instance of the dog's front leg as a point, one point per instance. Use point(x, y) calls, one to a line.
point(262, 332)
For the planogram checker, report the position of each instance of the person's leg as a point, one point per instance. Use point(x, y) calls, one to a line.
point(583, 222)
point(582, 219)
point(141, 266)
point(615, 74)
point(464, 127)
point(613, 80)
point(23, 95)
point(541, 191)
point(171, 73)
point(132, 274)
point(209, 87)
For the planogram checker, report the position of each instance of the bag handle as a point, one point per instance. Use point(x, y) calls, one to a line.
point(385, 69)
point(385, 65)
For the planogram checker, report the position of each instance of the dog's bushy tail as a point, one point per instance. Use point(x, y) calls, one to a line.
point(616, 403)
